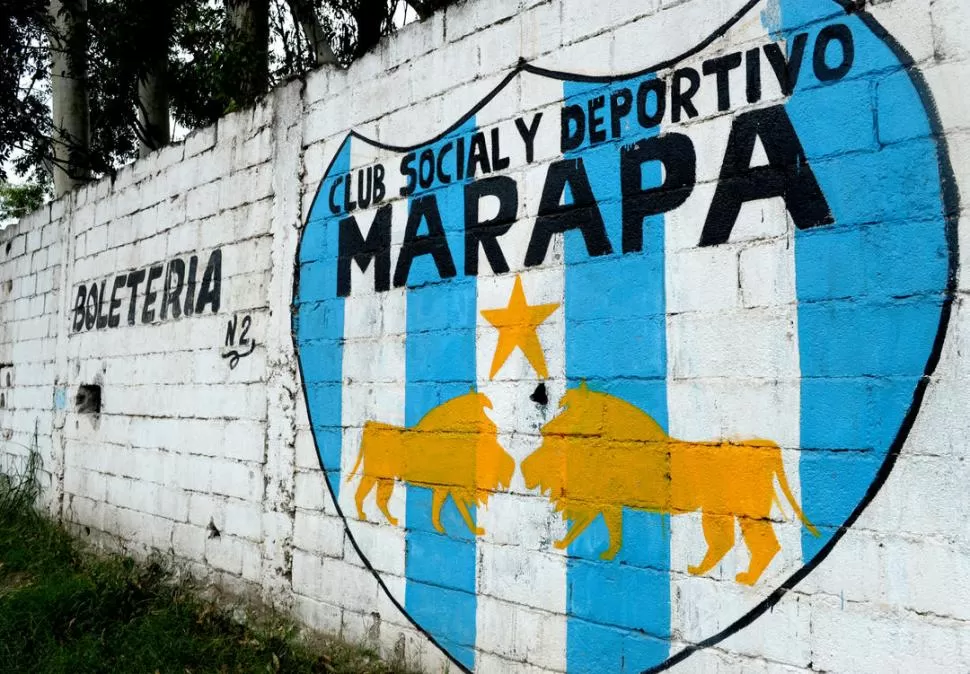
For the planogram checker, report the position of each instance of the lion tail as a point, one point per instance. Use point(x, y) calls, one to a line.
point(786, 490)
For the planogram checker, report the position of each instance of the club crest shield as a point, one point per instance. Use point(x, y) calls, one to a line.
point(604, 367)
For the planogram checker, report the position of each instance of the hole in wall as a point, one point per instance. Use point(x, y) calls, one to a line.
point(88, 399)
point(9, 244)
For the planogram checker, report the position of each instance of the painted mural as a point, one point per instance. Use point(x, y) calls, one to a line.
point(184, 288)
point(619, 457)
point(636, 355)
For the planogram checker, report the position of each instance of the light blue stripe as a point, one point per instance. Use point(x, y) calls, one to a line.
point(440, 352)
point(319, 321)
point(870, 287)
point(618, 610)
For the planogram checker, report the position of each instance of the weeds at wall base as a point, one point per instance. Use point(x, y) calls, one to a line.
point(66, 609)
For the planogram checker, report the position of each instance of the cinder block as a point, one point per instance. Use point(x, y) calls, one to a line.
point(331, 580)
point(203, 201)
point(311, 492)
point(243, 519)
point(234, 478)
point(225, 553)
point(903, 640)
point(200, 141)
point(318, 534)
point(469, 17)
point(188, 541)
point(319, 615)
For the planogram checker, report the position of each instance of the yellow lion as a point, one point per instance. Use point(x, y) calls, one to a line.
point(601, 454)
point(453, 450)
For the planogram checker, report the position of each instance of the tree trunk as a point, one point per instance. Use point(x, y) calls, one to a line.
point(71, 138)
point(249, 46)
point(153, 110)
point(154, 126)
point(370, 24)
point(319, 42)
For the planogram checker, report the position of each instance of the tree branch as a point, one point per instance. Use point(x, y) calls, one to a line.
point(305, 17)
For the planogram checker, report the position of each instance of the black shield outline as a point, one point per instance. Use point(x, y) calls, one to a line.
point(951, 201)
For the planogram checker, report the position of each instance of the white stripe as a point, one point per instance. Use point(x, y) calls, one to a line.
point(374, 381)
point(733, 365)
point(522, 579)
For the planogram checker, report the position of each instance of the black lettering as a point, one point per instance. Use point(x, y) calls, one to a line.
point(434, 243)
point(380, 191)
point(231, 331)
point(676, 152)
point(787, 175)
point(190, 286)
point(681, 99)
point(247, 323)
point(572, 136)
point(721, 67)
point(621, 102)
point(555, 217)
point(364, 194)
point(478, 156)
point(649, 120)
point(596, 132)
point(499, 163)
point(528, 134)
point(460, 157)
point(91, 315)
point(134, 279)
point(486, 232)
point(840, 33)
point(334, 206)
point(82, 296)
point(787, 69)
point(102, 320)
point(443, 177)
point(148, 308)
point(210, 291)
point(376, 246)
point(172, 296)
point(114, 320)
point(426, 178)
point(753, 67)
point(410, 173)
point(349, 204)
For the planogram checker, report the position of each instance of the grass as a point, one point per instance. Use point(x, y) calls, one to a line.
point(63, 609)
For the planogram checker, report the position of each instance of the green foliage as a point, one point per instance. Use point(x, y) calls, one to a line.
point(24, 85)
point(16, 201)
point(209, 67)
point(64, 610)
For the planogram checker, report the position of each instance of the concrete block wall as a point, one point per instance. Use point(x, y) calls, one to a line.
point(189, 290)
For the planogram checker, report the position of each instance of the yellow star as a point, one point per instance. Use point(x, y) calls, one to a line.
point(517, 325)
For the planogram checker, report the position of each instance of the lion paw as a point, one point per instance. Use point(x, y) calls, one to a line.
point(392, 520)
point(746, 578)
point(560, 545)
point(607, 555)
point(361, 516)
point(479, 531)
point(696, 570)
